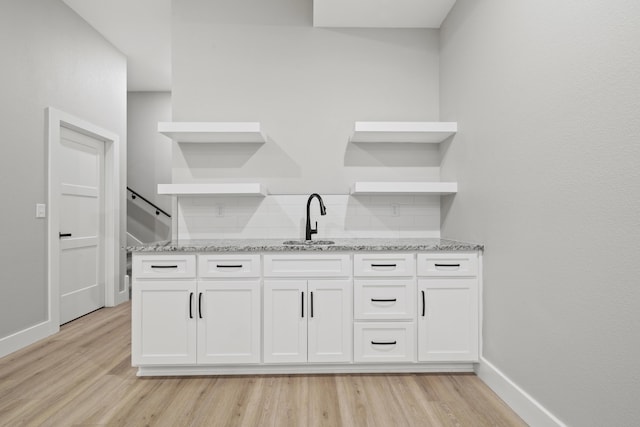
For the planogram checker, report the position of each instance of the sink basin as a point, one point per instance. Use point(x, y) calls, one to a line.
point(308, 242)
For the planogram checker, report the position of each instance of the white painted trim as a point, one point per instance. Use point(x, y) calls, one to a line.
point(310, 368)
point(21, 339)
point(113, 187)
point(529, 409)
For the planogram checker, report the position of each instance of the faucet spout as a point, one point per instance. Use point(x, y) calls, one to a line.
point(323, 211)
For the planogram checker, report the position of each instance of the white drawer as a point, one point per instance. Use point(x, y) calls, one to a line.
point(333, 265)
point(237, 265)
point(384, 265)
point(448, 264)
point(384, 342)
point(164, 266)
point(384, 299)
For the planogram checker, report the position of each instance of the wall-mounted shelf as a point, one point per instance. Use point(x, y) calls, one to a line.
point(415, 132)
point(426, 188)
point(212, 132)
point(222, 189)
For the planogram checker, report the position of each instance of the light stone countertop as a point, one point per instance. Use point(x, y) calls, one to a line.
point(277, 245)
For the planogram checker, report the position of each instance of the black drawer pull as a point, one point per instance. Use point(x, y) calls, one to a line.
point(383, 300)
point(384, 342)
point(447, 265)
point(200, 305)
point(302, 304)
point(64, 234)
point(383, 265)
point(311, 304)
point(164, 266)
point(191, 305)
point(424, 304)
point(229, 266)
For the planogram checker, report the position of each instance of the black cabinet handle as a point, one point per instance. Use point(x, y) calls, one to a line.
point(229, 266)
point(311, 304)
point(384, 342)
point(383, 300)
point(200, 305)
point(64, 234)
point(302, 303)
point(424, 305)
point(447, 265)
point(191, 305)
point(383, 265)
point(164, 266)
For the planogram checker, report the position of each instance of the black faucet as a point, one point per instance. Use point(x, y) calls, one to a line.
point(323, 211)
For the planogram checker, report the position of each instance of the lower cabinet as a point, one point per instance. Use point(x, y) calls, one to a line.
point(307, 321)
point(448, 321)
point(229, 318)
point(189, 322)
point(163, 330)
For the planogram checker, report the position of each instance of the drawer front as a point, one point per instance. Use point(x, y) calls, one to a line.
point(448, 264)
point(384, 342)
point(384, 299)
point(163, 266)
point(338, 265)
point(384, 265)
point(238, 265)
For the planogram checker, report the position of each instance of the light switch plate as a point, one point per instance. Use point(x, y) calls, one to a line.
point(41, 210)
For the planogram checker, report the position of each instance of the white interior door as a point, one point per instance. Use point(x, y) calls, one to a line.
point(80, 224)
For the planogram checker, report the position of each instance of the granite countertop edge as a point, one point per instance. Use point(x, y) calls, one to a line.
point(277, 245)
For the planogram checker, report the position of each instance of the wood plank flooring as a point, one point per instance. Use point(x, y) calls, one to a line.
point(82, 376)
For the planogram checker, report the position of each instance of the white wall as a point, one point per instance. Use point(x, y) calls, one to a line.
point(51, 58)
point(148, 163)
point(263, 61)
point(547, 96)
point(252, 60)
point(284, 216)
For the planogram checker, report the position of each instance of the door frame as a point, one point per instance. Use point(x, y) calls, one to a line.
point(111, 201)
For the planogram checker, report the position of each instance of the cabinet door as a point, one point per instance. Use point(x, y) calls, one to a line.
point(228, 322)
point(448, 320)
point(330, 320)
point(285, 321)
point(163, 322)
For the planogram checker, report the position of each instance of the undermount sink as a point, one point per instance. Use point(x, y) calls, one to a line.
point(308, 242)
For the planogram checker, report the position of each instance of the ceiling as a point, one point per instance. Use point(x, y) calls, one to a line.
point(141, 29)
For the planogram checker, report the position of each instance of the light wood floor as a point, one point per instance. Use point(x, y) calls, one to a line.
point(83, 376)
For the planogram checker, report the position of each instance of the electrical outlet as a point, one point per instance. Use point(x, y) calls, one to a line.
point(220, 211)
point(395, 210)
point(41, 210)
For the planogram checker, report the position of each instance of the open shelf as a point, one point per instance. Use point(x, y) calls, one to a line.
point(222, 189)
point(415, 132)
point(212, 132)
point(381, 188)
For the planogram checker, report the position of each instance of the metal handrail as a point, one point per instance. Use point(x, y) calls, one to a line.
point(135, 194)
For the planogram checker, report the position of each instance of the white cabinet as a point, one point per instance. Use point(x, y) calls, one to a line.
point(229, 318)
point(384, 307)
point(193, 321)
point(307, 308)
point(448, 308)
point(307, 321)
point(304, 312)
point(163, 323)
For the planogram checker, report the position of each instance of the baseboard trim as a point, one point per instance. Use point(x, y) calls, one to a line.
point(21, 339)
point(529, 409)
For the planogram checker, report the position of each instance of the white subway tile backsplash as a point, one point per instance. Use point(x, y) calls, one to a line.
point(283, 216)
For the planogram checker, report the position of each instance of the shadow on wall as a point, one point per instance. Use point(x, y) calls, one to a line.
point(222, 160)
point(391, 154)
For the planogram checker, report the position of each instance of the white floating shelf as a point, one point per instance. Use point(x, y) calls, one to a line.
point(228, 189)
point(416, 132)
point(212, 132)
point(380, 188)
